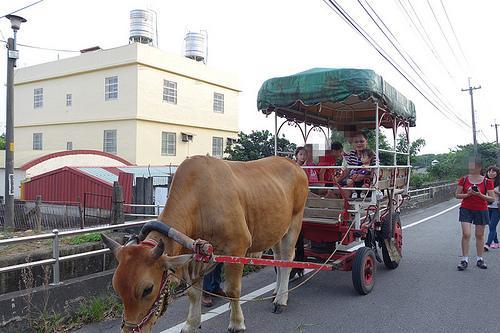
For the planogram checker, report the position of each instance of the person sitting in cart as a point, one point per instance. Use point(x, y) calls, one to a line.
point(301, 158)
point(352, 158)
point(331, 158)
point(362, 177)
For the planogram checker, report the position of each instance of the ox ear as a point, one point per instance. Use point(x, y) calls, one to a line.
point(176, 261)
point(113, 245)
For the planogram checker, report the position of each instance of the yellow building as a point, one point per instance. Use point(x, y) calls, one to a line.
point(136, 101)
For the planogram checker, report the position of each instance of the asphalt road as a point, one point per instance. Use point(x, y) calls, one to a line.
point(424, 294)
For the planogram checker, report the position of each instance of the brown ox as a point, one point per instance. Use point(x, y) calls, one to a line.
point(241, 208)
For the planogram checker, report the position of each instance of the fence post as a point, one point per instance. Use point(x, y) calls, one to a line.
point(80, 212)
point(38, 212)
point(117, 216)
point(55, 255)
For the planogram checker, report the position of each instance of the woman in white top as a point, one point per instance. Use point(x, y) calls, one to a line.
point(493, 173)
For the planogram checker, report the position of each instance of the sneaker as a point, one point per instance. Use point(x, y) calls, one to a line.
point(480, 264)
point(495, 246)
point(463, 265)
point(487, 247)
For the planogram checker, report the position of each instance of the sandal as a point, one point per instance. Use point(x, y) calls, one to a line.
point(206, 300)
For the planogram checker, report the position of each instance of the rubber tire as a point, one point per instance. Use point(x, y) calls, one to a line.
point(385, 253)
point(358, 270)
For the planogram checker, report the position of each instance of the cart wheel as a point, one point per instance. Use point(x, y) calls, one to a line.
point(398, 243)
point(363, 270)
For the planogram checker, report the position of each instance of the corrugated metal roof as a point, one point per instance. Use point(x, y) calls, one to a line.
point(159, 173)
point(100, 173)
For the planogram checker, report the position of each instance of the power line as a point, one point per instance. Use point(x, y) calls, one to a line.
point(18, 10)
point(424, 80)
point(44, 48)
point(347, 18)
point(444, 35)
point(427, 40)
point(455, 34)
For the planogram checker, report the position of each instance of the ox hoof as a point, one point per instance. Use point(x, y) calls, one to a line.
point(279, 308)
point(236, 330)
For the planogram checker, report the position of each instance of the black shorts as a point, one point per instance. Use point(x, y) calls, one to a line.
point(476, 217)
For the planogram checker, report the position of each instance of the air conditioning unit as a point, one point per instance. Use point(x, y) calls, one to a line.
point(187, 137)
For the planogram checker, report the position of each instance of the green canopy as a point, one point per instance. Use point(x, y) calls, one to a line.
point(340, 90)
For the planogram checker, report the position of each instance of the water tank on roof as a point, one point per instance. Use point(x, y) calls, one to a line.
point(195, 46)
point(143, 26)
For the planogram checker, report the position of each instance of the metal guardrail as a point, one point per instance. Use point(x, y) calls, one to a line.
point(55, 235)
point(56, 259)
point(426, 191)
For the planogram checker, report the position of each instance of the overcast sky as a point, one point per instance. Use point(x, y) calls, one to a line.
point(261, 39)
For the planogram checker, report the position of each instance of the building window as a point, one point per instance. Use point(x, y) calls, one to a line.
point(69, 99)
point(168, 142)
point(109, 145)
point(170, 91)
point(217, 147)
point(218, 103)
point(38, 98)
point(69, 145)
point(111, 88)
point(37, 141)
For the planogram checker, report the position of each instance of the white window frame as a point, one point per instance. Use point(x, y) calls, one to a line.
point(111, 88)
point(37, 141)
point(218, 105)
point(110, 144)
point(217, 150)
point(168, 143)
point(170, 91)
point(69, 99)
point(38, 98)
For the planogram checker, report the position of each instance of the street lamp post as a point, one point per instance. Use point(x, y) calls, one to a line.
point(12, 56)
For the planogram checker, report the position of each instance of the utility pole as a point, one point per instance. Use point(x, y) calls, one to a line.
point(12, 56)
point(471, 92)
point(496, 125)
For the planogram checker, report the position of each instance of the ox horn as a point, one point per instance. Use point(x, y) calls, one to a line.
point(157, 251)
point(113, 245)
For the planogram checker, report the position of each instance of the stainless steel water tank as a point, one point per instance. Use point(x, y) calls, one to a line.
point(142, 26)
point(196, 46)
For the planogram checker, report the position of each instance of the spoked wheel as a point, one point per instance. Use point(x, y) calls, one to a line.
point(364, 268)
point(397, 244)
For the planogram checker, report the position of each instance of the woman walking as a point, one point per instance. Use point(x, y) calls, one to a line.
point(475, 191)
point(493, 173)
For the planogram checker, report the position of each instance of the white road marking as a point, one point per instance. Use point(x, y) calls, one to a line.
point(259, 292)
point(430, 217)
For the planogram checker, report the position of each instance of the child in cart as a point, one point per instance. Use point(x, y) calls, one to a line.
point(361, 177)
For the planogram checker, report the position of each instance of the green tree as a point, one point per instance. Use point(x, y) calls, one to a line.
point(256, 145)
point(2, 141)
point(455, 163)
point(402, 146)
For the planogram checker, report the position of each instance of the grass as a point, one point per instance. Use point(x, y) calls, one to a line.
point(85, 238)
point(91, 310)
point(98, 308)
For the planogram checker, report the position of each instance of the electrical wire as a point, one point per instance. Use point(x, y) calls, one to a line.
point(444, 36)
point(455, 34)
point(424, 36)
point(43, 48)
point(348, 19)
point(400, 51)
point(18, 10)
